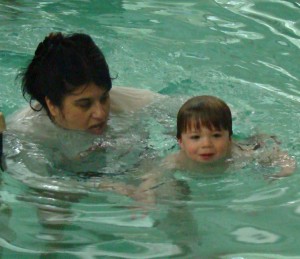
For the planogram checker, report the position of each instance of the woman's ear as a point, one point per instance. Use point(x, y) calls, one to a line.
point(53, 109)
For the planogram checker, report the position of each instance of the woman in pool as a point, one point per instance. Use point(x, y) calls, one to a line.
point(70, 88)
point(71, 98)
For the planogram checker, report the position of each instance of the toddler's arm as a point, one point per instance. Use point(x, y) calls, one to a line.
point(287, 164)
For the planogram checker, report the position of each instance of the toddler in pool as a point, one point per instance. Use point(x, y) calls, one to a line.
point(204, 134)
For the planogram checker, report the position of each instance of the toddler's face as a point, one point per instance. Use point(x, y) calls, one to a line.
point(205, 145)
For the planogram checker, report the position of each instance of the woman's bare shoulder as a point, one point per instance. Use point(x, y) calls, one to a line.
point(127, 99)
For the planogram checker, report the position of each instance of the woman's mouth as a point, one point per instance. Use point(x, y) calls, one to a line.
point(97, 129)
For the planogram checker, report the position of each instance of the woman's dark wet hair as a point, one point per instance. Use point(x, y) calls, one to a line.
point(205, 110)
point(61, 64)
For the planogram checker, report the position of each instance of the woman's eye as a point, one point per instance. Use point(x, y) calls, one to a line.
point(195, 137)
point(217, 135)
point(84, 105)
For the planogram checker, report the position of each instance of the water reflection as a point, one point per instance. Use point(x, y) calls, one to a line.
point(244, 51)
point(7, 235)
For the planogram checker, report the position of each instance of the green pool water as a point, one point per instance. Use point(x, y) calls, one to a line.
point(246, 52)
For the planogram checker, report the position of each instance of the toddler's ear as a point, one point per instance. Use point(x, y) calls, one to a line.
point(179, 140)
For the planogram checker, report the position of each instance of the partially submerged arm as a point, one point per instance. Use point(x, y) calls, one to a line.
point(277, 157)
point(286, 163)
point(265, 149)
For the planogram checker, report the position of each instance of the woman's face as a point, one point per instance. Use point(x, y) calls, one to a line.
point(86, 109)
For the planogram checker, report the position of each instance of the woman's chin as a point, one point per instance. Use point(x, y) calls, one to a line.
point(96, 131)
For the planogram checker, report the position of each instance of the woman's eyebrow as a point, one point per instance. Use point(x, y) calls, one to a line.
point(84, 99)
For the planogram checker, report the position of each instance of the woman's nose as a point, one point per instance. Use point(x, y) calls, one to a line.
point(98, 111)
